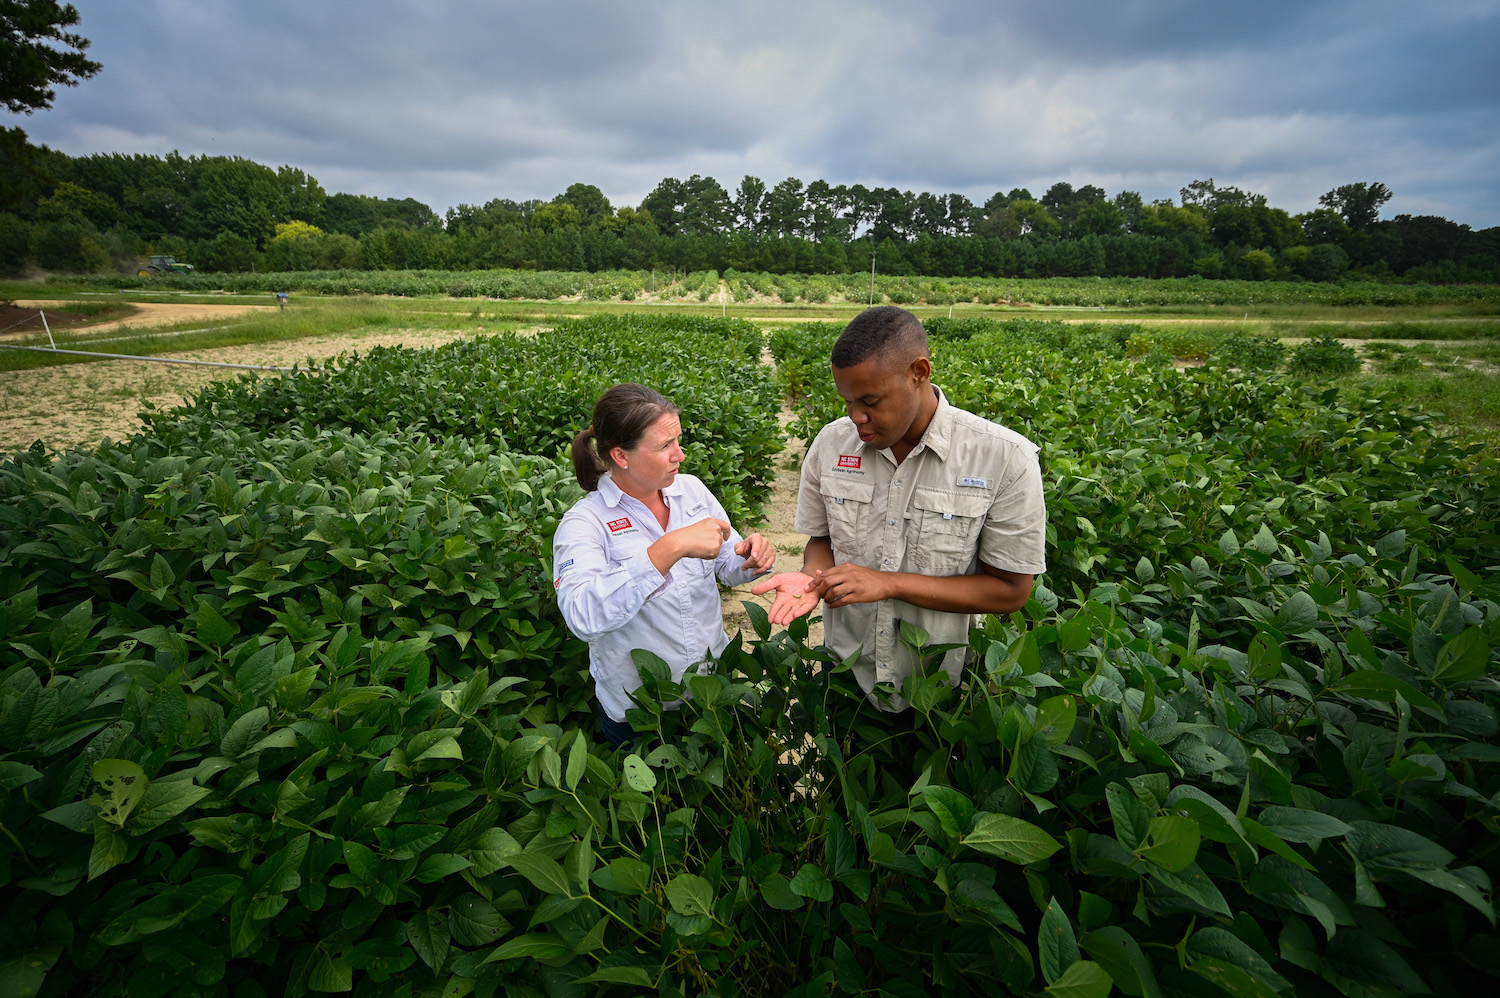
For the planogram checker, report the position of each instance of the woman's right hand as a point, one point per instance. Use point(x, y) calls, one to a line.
point(703, 539)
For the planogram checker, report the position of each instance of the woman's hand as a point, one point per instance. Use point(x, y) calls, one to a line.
point(759, 553)
point(793, 596)
point(703, 539)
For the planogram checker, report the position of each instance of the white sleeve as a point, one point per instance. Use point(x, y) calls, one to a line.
point(595, 597)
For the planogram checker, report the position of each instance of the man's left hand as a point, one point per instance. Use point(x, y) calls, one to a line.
point(849, 583)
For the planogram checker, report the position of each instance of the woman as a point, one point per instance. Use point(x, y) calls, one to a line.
point(635, 561)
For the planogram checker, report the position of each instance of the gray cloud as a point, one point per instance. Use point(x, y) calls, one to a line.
point(455, 101)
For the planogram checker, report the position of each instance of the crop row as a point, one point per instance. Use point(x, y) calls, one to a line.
point(1089, 292)
point(286, 705)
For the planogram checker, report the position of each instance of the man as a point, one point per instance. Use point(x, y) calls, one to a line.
point(915, 511)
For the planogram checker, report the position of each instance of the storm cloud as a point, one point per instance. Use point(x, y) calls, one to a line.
point(461, 101)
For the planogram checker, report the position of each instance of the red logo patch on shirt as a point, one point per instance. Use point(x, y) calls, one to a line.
point(849, 460)
point(615, 526)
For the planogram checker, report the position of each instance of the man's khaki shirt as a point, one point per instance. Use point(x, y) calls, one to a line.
point(970, 491)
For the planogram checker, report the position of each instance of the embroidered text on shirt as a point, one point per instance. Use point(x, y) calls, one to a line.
point(615, 526)
point(849, 460)
point(978, 483)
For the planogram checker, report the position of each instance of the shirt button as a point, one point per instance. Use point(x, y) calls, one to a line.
point(891, 522)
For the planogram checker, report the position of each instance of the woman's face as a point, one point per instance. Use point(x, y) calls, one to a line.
point(652, 463)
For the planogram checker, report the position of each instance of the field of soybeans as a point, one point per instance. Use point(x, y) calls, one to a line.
point(287, 705)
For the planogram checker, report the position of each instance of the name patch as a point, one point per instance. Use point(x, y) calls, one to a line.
point(615, 526)
point(849, 460)
point(978, 483)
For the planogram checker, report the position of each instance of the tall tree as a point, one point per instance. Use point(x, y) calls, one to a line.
point(749, 203)
point(786, 209)
point(38, 53)
point(1359, 203)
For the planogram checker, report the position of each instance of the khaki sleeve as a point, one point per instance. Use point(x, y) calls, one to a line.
point(1014, 536)
point(812, 514)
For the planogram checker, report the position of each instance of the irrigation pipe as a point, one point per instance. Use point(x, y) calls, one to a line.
point(158, 360)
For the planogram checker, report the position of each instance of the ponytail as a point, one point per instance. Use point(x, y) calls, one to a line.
point(586, 463)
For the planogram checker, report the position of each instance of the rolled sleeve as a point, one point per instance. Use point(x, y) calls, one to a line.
point(812, 514)
point(1014, 537)
point(596, 597)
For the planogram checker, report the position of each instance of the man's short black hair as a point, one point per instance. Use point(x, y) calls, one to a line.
point(880, 332)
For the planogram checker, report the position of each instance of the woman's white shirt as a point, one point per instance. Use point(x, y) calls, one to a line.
point(612, 596)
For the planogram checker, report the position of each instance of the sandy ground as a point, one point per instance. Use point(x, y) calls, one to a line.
point(780, 529)
point(158, 314)
point(78, 405)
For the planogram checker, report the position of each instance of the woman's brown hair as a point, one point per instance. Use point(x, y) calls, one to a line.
point(621, 417)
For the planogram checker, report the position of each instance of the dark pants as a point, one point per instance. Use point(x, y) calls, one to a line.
point(617, 733)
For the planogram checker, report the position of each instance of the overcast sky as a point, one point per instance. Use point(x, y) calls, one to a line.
point(461, 101)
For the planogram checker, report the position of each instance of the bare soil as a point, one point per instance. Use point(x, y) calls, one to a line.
point(141, 314)
point(80, 405)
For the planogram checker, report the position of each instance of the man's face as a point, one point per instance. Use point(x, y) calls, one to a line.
point(883, 397)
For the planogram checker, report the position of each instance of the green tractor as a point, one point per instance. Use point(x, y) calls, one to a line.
point(164, 265)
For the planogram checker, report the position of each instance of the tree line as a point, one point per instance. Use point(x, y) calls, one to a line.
point(108, 211)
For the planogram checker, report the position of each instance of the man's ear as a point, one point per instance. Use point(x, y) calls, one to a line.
point(921, 370)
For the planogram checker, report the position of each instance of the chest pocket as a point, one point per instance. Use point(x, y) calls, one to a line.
point(945, 530)
point(848, 507)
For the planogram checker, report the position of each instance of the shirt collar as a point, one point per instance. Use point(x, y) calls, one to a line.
point(612, 494)
point(939, 432)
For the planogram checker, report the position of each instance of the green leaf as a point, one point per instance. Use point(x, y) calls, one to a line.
point(1193, 884)
point(164, 800)
point(1391, 545)
point(777, 891)
point(1084, 979)
point(536, 946)
point(578, 758)
point(690, 894)
point(1464, 658)
point(1010, 839)
point(427, 931)
point(328, 974)
point(1220, 944)
point(1298, 614)
point(633, 976)
point(1295, 824)
point(110, 849)
point(846, 969)
point(625, 875)
point(1132, 818)
point(1171, 843)
point(1056, 944)
point(811, 882)
point(1387, 848)
point(639, 776)
point(760, 619)
point(16, 774)
point(1121, 957)
point(124, 783)
point(546, 875)
point(475, 922)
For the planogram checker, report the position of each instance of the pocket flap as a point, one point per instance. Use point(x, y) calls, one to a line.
point(842, 488)
point(947, 503)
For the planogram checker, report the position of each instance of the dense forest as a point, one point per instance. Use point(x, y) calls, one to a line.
point(108, 211)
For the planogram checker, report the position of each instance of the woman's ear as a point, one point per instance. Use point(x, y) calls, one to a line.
point(617, 456)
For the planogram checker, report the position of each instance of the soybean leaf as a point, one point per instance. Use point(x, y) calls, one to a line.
point(1010, 839)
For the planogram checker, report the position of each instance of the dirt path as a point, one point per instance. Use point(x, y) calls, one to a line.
point(159, 314)
point(79, 405)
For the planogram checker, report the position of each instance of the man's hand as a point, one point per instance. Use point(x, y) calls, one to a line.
point(759, 553)
point(794, 597)
point(849, 583)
